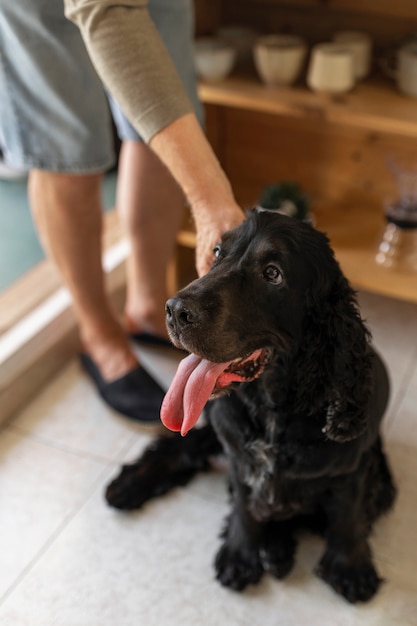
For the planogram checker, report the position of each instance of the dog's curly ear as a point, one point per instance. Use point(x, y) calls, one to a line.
point(348, 410)
point(346, 359)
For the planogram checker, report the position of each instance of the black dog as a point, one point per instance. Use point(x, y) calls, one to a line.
point(276, 337)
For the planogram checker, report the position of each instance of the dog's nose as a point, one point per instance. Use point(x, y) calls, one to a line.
point(177, 314)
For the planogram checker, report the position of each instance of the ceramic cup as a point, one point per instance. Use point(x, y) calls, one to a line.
point(331, 68)
point(361, 45)
point(279, 58)
point(406, 72)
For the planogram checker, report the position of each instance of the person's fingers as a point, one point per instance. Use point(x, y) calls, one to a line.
point(208, 236)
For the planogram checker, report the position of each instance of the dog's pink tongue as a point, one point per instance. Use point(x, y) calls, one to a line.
point(189, 391)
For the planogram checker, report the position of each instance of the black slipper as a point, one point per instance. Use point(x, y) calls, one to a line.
point(136, 395)
point(151, 339)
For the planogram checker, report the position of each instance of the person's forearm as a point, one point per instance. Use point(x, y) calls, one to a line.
point(131, 60)
point(184, 149)
point(135, 66)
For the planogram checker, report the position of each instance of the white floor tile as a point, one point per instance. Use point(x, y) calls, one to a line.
point(393, 324)
point(155, 567)
point(403, 429)
point(40, 487)
point(395, 536)
point(112, 568)
point(69, 413)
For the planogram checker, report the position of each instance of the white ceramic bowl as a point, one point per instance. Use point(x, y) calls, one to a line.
point(279, 58)
point(214, 59)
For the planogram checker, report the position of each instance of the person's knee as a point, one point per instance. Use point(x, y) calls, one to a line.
point(67, 189)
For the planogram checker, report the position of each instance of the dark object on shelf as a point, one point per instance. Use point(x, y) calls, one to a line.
point(398, 248)
point(286, 198)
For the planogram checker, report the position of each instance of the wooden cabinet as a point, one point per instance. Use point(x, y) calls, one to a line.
point(337, 148)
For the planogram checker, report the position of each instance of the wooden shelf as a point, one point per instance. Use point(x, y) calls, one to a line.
point(373, 105)
point(355, 236)
point(187, 238)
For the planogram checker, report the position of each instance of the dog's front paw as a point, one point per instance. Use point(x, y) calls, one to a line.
point(355, 582)
point(278, 557)
point(237, 569)
point(131, 489)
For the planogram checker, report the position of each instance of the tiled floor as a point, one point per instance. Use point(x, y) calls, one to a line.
point(67, 559)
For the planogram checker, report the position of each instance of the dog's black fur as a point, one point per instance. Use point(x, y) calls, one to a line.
point(302, 439)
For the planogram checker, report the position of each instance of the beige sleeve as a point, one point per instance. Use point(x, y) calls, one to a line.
point(132, 61)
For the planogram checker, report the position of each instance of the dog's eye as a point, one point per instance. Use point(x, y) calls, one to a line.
point(273, 275)
point(217, 250)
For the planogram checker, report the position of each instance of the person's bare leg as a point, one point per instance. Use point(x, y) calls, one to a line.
point(67, 211)
point(151, 207)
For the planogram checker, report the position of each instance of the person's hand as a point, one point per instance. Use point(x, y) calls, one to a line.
point(184, 149)
point(210, 226)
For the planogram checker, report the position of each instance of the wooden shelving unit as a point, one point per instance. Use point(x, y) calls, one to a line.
point(374, 107)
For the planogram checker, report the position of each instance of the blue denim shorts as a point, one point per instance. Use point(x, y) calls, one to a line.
point(54, 113)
